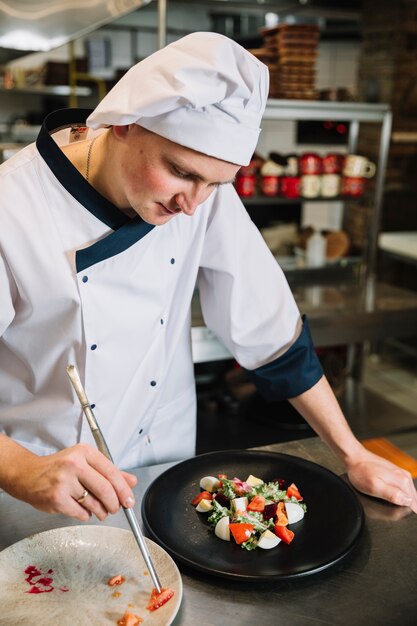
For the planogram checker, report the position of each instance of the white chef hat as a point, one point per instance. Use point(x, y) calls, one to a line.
point(204, 92)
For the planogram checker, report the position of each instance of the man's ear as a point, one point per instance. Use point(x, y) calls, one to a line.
point(120, 132)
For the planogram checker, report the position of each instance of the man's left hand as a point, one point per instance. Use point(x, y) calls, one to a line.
point(375, 476)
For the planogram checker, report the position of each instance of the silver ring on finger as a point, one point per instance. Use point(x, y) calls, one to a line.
point(83, 496)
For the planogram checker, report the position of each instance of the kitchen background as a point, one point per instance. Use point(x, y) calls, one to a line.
point(367, 52)
point(358, 55)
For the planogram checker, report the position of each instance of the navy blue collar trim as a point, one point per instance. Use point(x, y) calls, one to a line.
point(68, 175)
point(113, 244)
point(127, 231)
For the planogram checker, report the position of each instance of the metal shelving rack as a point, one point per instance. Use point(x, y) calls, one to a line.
point(355, 113)
point(341, 312)
point(47, 90)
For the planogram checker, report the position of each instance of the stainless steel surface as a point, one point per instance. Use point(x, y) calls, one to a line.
point(41, 25)
point(162, 23)
point(349, 313)
point(375, 585)
point(370, 414)
point(345, 313)
point(47, 90)
point(325, 110)
point(400, 245)
point(353, 137)
point(103, 447)
point(384, 143)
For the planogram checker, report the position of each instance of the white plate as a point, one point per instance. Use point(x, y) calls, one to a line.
point(82, 559)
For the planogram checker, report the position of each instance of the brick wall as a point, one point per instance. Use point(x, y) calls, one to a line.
point(387, 72)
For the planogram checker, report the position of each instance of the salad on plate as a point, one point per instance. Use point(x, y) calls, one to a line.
point(256, 514)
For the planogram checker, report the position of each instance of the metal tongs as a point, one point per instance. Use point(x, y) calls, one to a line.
point(102, 446)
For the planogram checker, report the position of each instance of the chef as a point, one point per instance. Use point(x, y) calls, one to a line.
point(107, 223)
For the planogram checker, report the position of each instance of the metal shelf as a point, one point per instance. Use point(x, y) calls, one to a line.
point(49, 90)
point(354, 113)
point(339, 313)
point(271, 200)
point(337, 271)
point(400, 245)
point(325, 110)
point(344, 304)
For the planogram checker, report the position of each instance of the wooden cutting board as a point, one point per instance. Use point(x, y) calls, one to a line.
point(389, 451)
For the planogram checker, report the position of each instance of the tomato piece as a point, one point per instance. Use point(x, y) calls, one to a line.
point(241, 532)
point(292, 491)
point(220, 477)
point(284, 533)
point(129, 619)
point(158, 599)
point(116, 580)
point(256, 504)
point(282, 519)
point(204, 495)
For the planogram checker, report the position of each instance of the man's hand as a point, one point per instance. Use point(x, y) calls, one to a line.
point(375, 476)
point(368, 472)
point(55, 482)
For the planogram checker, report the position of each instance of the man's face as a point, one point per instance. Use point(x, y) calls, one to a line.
point(159, 178)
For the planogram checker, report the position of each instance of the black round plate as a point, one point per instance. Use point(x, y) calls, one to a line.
point(326, 534)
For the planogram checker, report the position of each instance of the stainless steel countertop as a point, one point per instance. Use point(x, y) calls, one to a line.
point(374, 586)
point(350, 313)
point(402, 245)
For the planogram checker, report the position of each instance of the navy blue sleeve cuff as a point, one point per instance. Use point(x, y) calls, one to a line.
point(291, 374)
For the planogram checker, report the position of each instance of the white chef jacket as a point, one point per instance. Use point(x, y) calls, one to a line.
point(82, 283)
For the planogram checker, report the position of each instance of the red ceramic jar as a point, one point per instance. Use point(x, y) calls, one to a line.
point(353, 186)
point(310, 163)
point(245, 185)
point(291, 186)
point(270, 185)
point(332, 163)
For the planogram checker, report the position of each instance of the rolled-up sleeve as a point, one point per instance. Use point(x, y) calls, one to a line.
point(291, 374)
